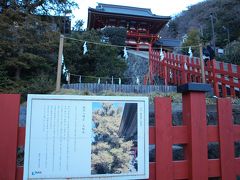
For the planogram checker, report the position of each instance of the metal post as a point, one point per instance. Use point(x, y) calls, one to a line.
point(228, 35)
point(80, 79)
point(201, 30)
point(59, 67)
point(202, 64)
point(69, 78)
point(213, 33)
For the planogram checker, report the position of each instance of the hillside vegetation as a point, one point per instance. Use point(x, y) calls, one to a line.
point(226, 23)
point(29, 47)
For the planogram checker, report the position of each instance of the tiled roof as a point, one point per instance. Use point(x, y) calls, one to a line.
point(117, 9)
point(168, 42)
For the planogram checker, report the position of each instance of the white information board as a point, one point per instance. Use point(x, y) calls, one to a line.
point(86, 137)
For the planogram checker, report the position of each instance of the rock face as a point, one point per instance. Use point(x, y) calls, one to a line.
point(236, 114)
point(22, 115)
point(137, 66)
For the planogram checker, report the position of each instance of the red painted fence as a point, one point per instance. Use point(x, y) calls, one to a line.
point(178, 69)
point(194, 134)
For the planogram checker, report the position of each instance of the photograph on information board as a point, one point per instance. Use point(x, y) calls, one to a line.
point(114, 142)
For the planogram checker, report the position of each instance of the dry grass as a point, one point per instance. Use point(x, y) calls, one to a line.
point(176, 97)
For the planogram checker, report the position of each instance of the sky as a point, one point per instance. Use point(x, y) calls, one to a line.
point(158, 7)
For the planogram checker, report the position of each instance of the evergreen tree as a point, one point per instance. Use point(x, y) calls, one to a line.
point(53, 7)
point(111, 154)
point(117, 36)
point(101, 60)
point(193, 39)
point(28, 45)
point(232, 53)
point(78, 27)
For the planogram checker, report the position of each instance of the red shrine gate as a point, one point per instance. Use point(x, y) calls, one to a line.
point(177, 69)
point(141, 24)
point(194, 134)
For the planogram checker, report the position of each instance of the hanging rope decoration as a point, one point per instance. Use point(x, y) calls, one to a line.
point(161, 55)
point(171, 74)
point(64, 70)
point(64, 67)
point(108, 78)
point(80, 79)
point(67, 77)
point(111, 45)
point(185, 66)
point(138, 81)
point(190, 52)
point(85, 50)
point(125, 53)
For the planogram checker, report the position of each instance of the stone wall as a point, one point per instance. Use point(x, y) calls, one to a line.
point(137, 66)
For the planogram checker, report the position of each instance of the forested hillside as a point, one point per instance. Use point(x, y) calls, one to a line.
point(29, 47)
point(225, 20)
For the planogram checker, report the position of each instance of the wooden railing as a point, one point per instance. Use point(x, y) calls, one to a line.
point(123, 88)
point(178, 69)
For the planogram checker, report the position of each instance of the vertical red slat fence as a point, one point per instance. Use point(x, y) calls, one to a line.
point(9, 110)
point(194, 134)
point(224, 77)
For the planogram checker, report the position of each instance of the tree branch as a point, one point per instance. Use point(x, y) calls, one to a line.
point(32, 6)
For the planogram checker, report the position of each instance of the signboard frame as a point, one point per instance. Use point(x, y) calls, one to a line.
point(52, 121)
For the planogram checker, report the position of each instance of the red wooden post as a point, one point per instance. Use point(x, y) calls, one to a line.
point(150, 61)
point(238, 79)
point(21, 143)
point(226, 134)
point(179, 69)
point(137, 47)
point(164, 66)
point(9, 113)
point(183, 71)
point(194, 70)
point(164, 140)
point(165, 74)
point(230, 71)
point(152, 167)
point(175, 74)
point(188, 74)
point(224, 90)
point(152, 171)
point(194, 116)
point(215, 81)
point(198, 74)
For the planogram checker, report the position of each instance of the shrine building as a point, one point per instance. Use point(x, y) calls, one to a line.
point(142, 25)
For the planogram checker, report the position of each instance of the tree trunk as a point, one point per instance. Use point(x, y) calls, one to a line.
point(18, 73)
